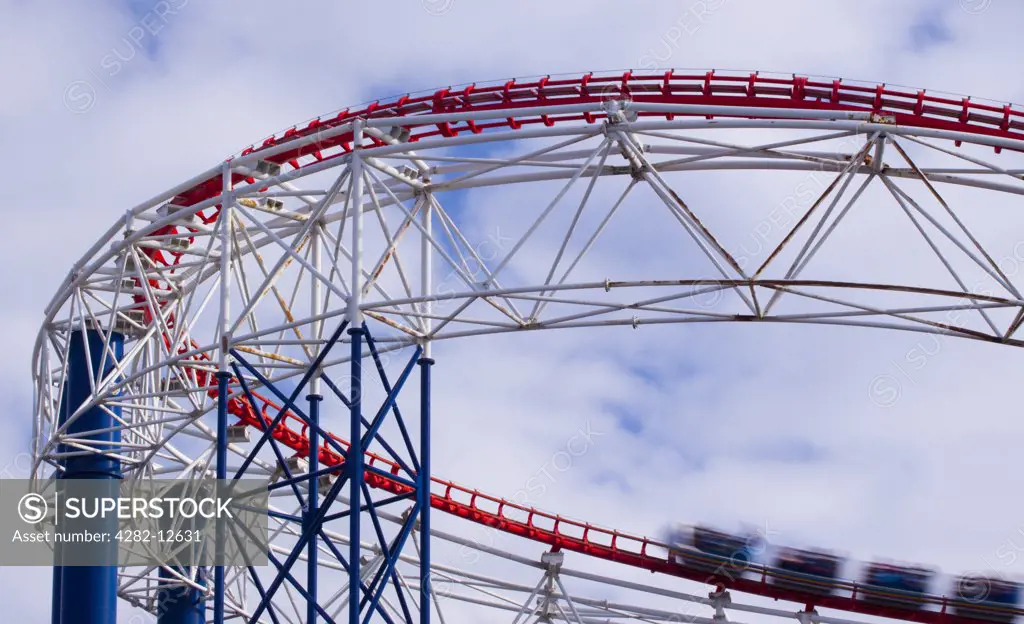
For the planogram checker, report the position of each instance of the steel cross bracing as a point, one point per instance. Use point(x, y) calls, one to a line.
point(305, 481)
point(229, 285)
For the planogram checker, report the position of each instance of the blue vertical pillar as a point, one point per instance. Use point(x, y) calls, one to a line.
point(223, 377)
point(312, 506)
point(354, 461)
point(423, 491)
point(88, 594)
point(55, 590)
point(180, 605)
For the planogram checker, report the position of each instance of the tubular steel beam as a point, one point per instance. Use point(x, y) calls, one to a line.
point(354, 465)
point(423, 492)
point(223, 377)
point(180, 605)
point(88, 594)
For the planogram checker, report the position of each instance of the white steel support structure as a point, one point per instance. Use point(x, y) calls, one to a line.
point(552, 203)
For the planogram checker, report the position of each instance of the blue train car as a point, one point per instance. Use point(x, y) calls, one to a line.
point(898, 586)
point(732, 547)
point(812, 571)
point(710, 550)
point(986, 598)
point(815, 571)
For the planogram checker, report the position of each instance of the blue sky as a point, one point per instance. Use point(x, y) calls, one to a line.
point(725, 424)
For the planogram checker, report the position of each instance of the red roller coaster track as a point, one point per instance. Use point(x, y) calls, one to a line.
point(899, 106)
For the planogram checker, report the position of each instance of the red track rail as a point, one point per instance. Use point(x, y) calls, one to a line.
point(913, 108)
point(586, 538)
point(907, 107)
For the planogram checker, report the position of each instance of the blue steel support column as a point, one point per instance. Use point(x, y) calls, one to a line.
point(180, 605)
point(225, 227)
point(88, 594)
point(223, 377)
point(354, 458)
point(55, 589)
point(423, 491)
point(354, 461)
point(176, 604)
point(312, 505)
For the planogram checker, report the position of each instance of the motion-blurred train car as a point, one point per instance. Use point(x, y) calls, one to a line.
point(816, 571)
point(895, 585)
point(811, 571)
point(733, 551)
point(986, 598)
point(710, 550)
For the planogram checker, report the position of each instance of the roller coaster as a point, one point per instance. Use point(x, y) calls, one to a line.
point(268, 317)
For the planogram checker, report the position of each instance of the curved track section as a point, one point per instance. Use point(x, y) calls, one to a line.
point(378, 212)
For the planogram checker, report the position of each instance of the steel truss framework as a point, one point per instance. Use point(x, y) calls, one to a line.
point(300, 264)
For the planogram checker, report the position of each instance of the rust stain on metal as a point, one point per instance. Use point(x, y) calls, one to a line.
point(807, 215)
point(270, 356)
point(728, 257)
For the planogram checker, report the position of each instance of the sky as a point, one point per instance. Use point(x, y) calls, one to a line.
point(869, 442)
